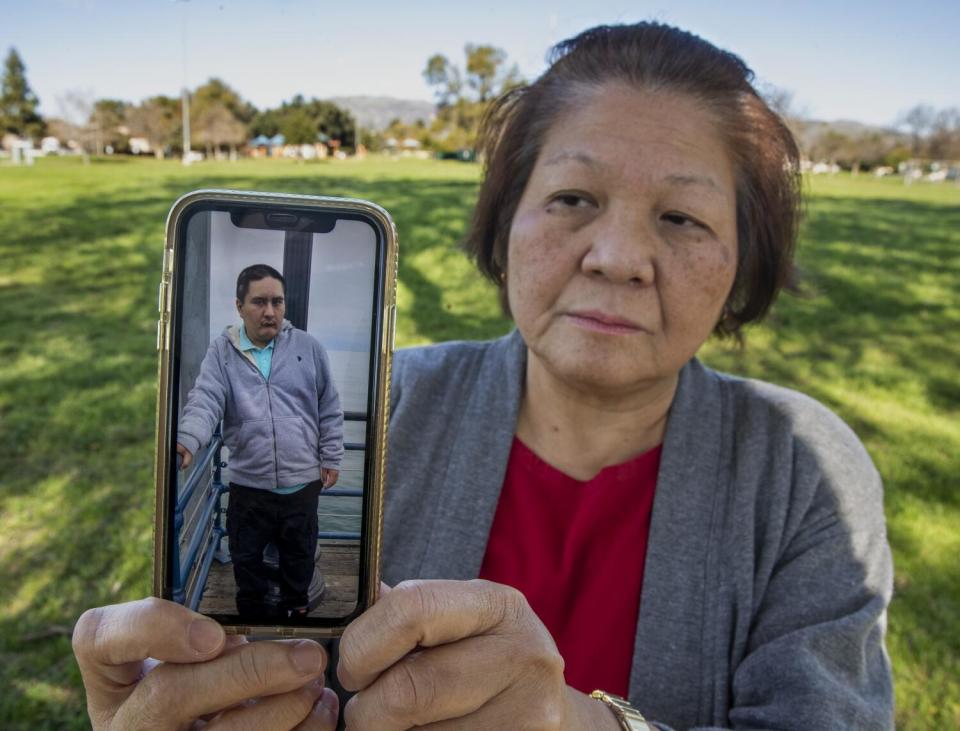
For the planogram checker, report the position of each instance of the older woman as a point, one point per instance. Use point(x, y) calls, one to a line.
point(582, 504)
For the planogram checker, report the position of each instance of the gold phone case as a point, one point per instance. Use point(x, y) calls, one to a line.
point(168, 296)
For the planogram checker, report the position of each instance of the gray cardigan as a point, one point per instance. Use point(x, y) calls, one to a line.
point(767, 573)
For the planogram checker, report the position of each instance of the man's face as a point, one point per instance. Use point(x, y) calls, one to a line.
point(262, 310)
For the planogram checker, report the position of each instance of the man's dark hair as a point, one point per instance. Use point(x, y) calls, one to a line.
point(657, 58)
point(255, 273)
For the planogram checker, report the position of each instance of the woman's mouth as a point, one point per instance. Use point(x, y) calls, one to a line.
point(605, 322)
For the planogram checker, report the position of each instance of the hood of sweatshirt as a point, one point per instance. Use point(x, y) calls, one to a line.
point(233, 335)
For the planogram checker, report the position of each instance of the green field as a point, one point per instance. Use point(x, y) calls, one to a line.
point(875, 337)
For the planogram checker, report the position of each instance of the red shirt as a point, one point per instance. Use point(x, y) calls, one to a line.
point(576, 551)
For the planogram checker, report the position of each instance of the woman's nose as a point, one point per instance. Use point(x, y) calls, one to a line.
point(622, 250)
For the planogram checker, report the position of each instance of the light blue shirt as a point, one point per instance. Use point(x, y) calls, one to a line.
point(263, 357)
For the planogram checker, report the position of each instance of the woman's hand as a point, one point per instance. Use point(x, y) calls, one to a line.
point(458, 655)
point(153, 664)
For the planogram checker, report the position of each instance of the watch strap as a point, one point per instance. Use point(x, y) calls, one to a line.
point(629, 717)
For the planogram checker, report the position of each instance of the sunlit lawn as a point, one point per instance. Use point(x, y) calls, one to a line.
point(875, 337)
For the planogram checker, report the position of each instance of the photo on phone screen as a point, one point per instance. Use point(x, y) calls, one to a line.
point(274, 411)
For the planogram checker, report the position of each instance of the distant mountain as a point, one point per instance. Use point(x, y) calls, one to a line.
point(809, 131)
point(376, 112)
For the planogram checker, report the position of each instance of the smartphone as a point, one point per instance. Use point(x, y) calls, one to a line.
point(275, 335)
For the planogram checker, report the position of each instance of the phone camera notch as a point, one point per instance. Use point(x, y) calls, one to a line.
point(282, 220)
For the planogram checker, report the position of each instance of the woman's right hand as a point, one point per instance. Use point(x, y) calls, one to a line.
point(154, 664)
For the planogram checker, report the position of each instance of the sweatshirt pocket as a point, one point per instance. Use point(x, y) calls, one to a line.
point(295, 450)
point(253, 451)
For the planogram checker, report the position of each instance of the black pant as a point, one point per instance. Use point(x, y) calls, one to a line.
point(257, 517)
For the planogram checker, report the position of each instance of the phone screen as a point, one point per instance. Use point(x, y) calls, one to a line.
point(276, 378)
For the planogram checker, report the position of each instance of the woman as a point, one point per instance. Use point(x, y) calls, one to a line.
point(713, 549)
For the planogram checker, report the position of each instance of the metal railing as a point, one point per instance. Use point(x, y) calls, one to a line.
point(208, 526)
point(209, 529)
point(345, 491)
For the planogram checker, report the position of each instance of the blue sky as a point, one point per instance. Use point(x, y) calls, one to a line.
point(867, 61)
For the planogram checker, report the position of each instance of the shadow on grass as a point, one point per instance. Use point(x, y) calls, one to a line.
point(881, 281)
point(874, 339)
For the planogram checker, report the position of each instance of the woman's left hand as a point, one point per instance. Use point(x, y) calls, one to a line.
point(457, 655)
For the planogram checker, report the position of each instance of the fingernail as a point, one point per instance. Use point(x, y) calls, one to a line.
point(307, 657)
point(327, 707)
point(204, 635)
point(315, 687)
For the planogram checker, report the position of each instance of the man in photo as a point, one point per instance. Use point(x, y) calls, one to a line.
point(270, 384)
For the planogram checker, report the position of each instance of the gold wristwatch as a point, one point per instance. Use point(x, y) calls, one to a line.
point(628, 716)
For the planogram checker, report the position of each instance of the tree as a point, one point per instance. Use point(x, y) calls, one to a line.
point(219, 116)
point(918, 121)
point(832, 146)
point(400, 132)
point(107, 118)
point(445, 78)
point(462, 104)
point(93, 124)
point(216, 126)
point(869, 149)
point(76, 110)
point(157, 120)
point(60, 129)
point(266, 122)
point(943, 142)
point(373, 140)
point(484, 65)
point(334, 123)
point(216, 92)
point(18, 103)
point(298, 128)
point(896, 155)
point(306, 122)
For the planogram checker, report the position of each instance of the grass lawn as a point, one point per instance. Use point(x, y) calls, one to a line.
point(874, 337)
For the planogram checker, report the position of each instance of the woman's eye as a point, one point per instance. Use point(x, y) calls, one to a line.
point(680, 219)
point(571, 200)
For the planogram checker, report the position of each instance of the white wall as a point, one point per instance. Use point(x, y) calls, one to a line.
point(233, 249)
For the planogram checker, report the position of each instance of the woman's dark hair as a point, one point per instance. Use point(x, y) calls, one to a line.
point(255, 273)
point(653, 57)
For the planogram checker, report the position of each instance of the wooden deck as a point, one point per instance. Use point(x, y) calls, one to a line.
point(339, 562)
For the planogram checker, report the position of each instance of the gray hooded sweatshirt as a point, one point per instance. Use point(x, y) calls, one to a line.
point(281, 430)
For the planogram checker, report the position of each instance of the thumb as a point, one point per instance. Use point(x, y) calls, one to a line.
point(111, 643)
point(324, 715)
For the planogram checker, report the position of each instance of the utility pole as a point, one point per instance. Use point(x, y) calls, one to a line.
point(185, 94)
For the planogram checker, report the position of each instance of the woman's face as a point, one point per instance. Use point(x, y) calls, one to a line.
point(623, 248)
